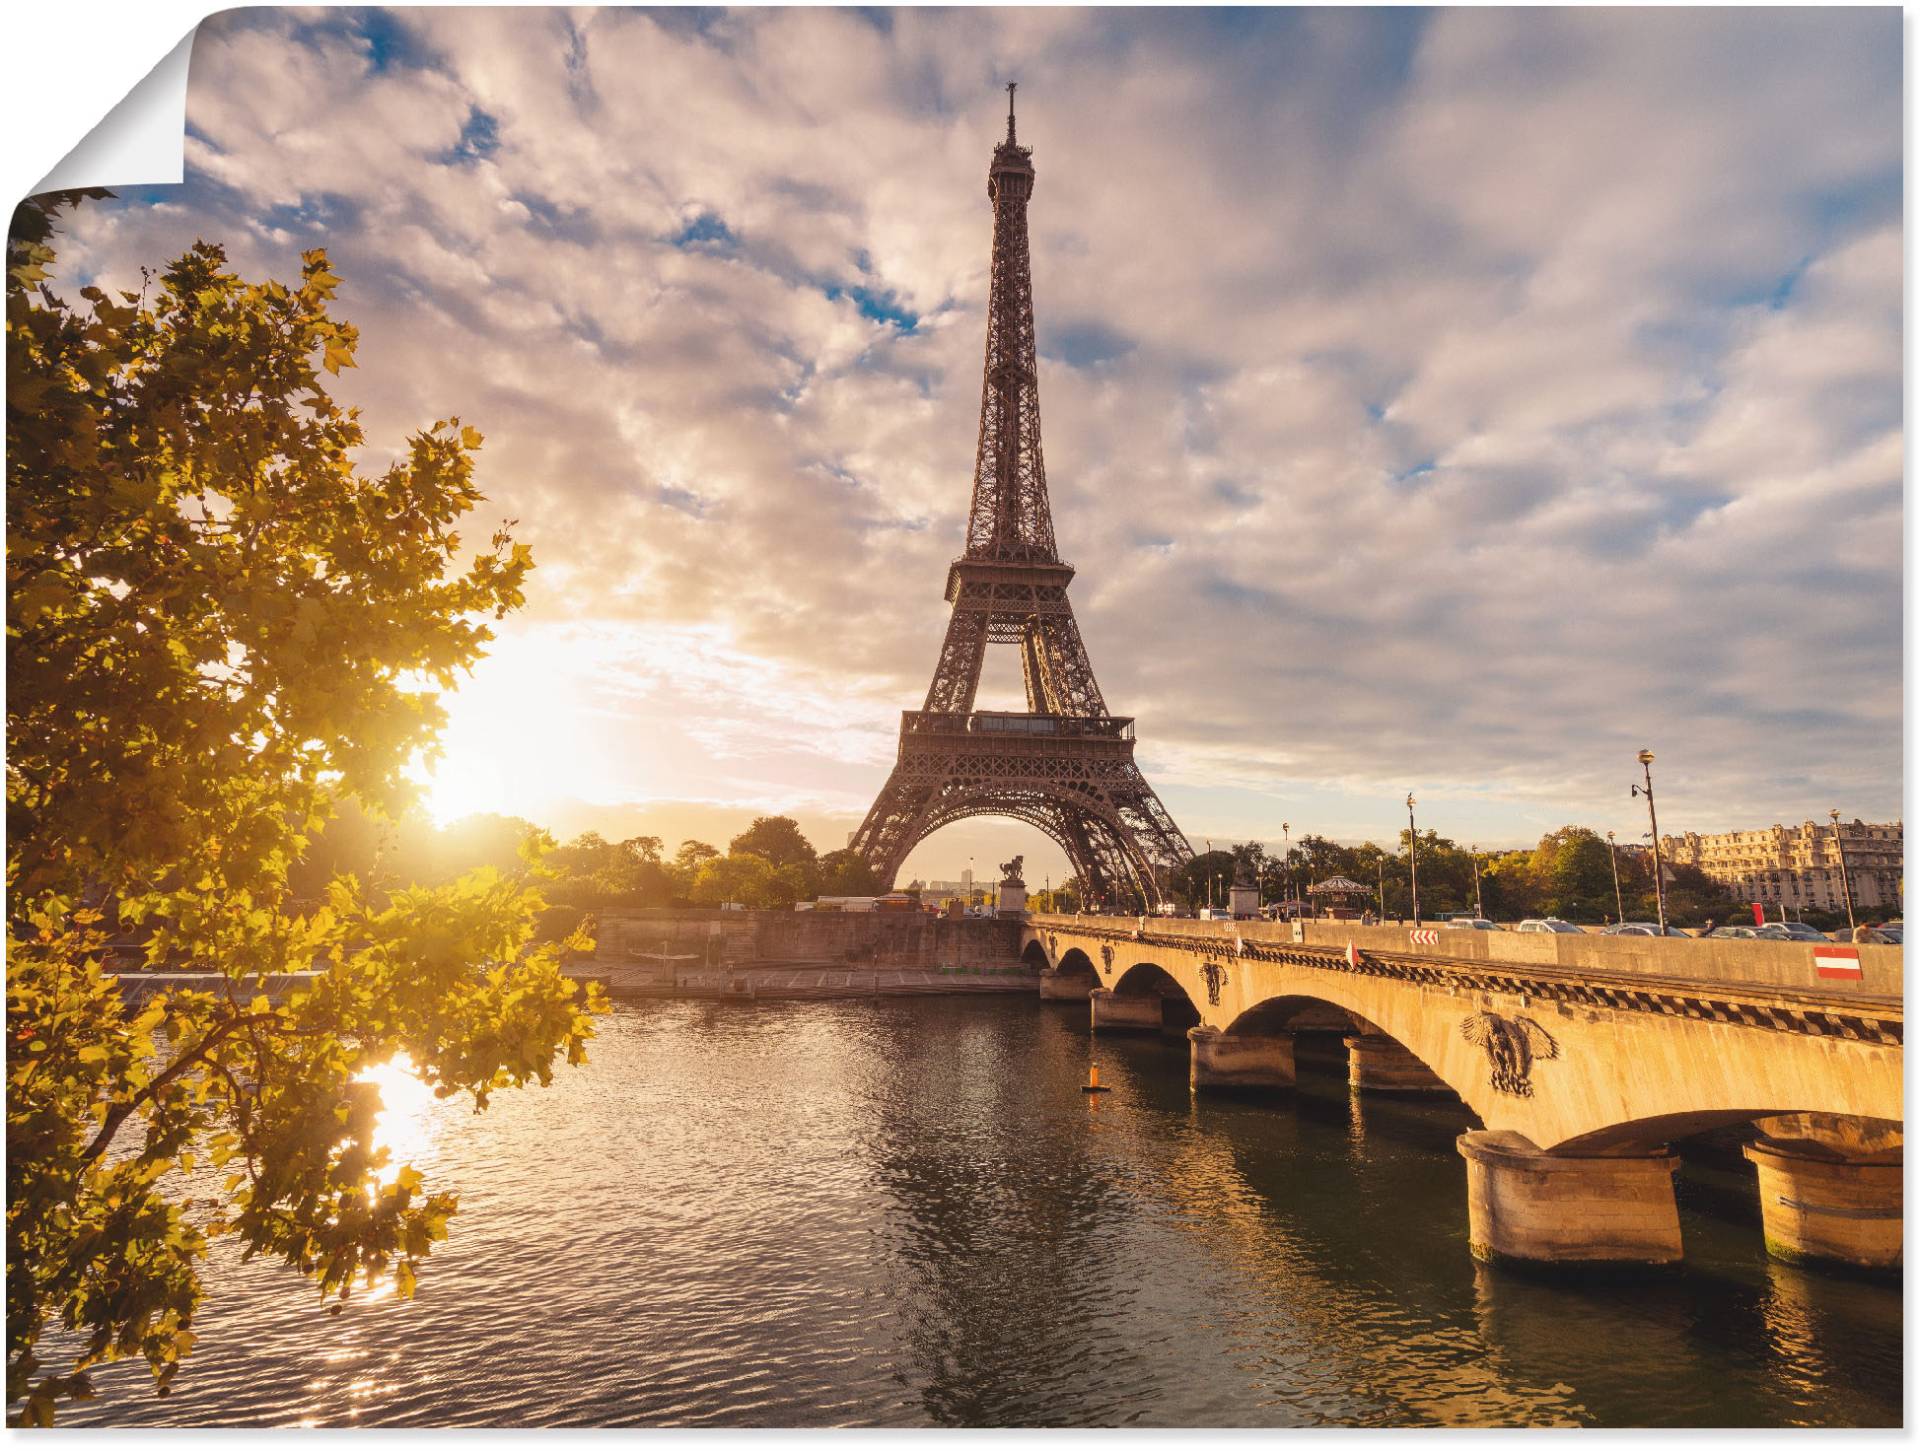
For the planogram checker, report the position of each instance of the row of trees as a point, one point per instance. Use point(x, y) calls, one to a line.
point(769, 865)
point(772, 865)
point(1569, 874)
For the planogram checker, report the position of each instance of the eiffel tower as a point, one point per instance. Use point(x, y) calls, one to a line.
point(1064, 764)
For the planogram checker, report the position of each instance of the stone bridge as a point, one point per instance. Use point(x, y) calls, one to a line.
point(1584, 1058)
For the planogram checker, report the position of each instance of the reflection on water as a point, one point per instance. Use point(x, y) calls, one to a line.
point(906, 1212)
point(405, 1124)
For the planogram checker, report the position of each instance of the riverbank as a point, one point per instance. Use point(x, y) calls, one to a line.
point(801, 980)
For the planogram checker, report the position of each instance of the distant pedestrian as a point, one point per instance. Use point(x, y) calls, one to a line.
point(1707, 931)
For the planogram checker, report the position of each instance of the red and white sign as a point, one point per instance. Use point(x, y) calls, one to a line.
point(1424, 937)
point(1353, 956)
point(1759, 914)
point(1837, 961)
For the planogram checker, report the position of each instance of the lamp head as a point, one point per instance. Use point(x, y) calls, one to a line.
point(1835, 814)
point(1646, 758)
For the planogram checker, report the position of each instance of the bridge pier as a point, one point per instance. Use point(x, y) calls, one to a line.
point(1377, 1064)
point(1130, 1012)
point(1529, 1206)
point(1828, 1209)
point(1065, 987)
point(1234, 1060)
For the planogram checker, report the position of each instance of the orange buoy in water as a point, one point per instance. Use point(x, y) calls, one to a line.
point(1093, 1080)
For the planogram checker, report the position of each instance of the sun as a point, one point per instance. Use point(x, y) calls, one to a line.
point(519, 737)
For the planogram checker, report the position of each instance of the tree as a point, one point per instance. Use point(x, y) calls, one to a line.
point(591, 871)
point(692, 853)
point(1063, 898)
point(423, 853)
point(685, 869)
point(1203, 879)
point(845, 873)
point(1573, 875)
point(1507, 886)
point(778, 839)
point(213, 626)
point(1446, 874)
point(1693, 898)
point(742, 876)
point(1249, 862)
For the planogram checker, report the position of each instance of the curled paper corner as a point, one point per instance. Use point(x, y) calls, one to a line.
point(140, 142)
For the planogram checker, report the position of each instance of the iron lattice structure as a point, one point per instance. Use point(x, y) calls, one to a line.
point(1064, 765)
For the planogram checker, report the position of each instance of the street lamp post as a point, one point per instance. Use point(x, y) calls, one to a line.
point(1478, 910)
point(1286, 842)
point(1846, 882)
point(1659, 874)
point(1613, 858)
point(1382, 864)
point(1413, 860)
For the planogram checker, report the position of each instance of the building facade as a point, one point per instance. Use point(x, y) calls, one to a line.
point(1798, 867)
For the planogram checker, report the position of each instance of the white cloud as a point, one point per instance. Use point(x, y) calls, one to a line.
point(1458, 401)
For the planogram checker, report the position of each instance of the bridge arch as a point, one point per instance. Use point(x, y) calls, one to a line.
point(1289, 1013)
point(1144, 978)
point(1377, 1061)
point(1075, 963)
point(1644, 1135)
point(1395, 1043)
point(1179, 1007)
point(1582, 1071)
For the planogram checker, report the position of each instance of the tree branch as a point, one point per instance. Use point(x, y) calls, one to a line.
point(119, 1115)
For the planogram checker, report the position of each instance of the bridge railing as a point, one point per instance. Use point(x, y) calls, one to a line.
point(1799, 967)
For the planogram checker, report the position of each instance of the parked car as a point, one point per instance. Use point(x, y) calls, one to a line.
point(1477, 924)
point(1792, 932)
point(1727, 932)
point(1887, 934)
point(1547, 924)
point(1639, 929)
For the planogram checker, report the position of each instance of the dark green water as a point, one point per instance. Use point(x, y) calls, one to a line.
point(904, 1212)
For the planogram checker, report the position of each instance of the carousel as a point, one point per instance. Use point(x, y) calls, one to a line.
point(1340, 898)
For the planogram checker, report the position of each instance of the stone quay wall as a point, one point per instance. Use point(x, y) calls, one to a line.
point(770, 938)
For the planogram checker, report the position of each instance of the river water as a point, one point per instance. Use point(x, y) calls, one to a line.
point(904, 1212)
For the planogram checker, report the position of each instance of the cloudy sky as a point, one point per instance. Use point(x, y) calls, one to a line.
point(1451, 401)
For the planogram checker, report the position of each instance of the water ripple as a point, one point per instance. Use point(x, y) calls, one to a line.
point(903, 1212)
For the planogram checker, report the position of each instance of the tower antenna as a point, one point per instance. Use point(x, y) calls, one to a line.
point(1010, 86)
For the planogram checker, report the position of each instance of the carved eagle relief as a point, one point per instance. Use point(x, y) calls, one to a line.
point(1511, 1045)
